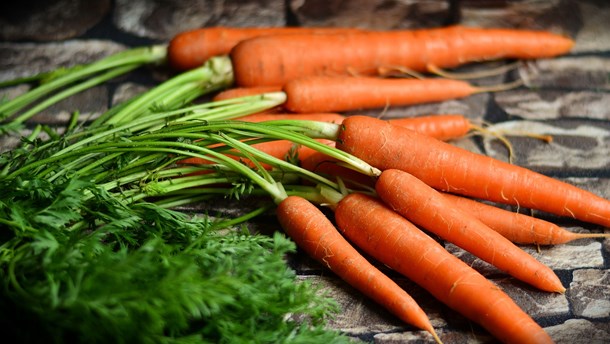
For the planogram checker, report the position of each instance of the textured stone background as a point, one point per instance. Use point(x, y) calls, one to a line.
point(567, 97)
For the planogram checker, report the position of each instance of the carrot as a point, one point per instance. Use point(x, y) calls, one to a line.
point(317, 236)
point(441, 126)
point(388, 237)
point(427, 208)
point(192, 48)
point(456, 170)
point(237, 92)
point(345, 93)
point(517, 227)
point(277, 59)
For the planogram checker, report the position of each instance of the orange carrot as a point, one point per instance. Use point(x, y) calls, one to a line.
point(192, 48)
point(345, 93)
point(317, 236)
point(440, 126)
point(394, 241)
point(276, 59)
point(237, 92)
point(517, 227)
point(427, 208)
point(456, 170)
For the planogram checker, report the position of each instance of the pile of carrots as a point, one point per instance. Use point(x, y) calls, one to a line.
point(425, 184)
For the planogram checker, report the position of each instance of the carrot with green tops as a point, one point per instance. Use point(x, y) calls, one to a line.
point(277, 59)
point(317, 236)
point(519, 228)
point(452, 169)
point(190, 49)
point(427, 208)
point(388, 237)
point(347, 93)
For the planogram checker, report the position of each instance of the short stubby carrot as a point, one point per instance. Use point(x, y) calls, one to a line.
point(348, 93)
point(429, 209)
point(315, 234)
point(277, 59)
point(516, 227)
point(388, 237)
point(455, 170)
point(190, 49)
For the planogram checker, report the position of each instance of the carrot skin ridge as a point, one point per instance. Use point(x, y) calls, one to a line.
point(317, 236)
point(347, 93)
point(387, 236)
point(427, 208)
point(276, 59)
point(519, 228)
point(455, 170)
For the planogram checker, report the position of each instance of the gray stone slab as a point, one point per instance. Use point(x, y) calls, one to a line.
point(594, 35)
point(376, 14)
point(589, 293)
point(26, 59)
point(586, 254)
point(163, 19)
point(538, 15)
point(580, 331)
point(577, 145)
point(567, 72)
point(551, 104)
point(49, 20)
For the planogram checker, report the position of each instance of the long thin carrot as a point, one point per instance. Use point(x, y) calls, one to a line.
point(317, 236)
point(192, 48)
point(429, 209)
point(517, 227)
point(347, 93)
point(456, 170)
point(276, 59)
point(394, 241)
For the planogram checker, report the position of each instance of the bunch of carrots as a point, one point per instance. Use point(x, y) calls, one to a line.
point(396, 180)
point(327, 71)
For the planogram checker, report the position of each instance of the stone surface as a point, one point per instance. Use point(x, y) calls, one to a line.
point(25, 59)
point(590, 293)
point(580, 331)
point(45, 20)
point(163, 19)
point(377, 14)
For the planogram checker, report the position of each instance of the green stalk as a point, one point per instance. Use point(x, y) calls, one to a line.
point(216, 72)
point(131, 57)
point(73, 90)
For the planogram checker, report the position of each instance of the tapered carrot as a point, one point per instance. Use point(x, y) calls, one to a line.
point(456, 170)
point(317, 236)
point(347, 93)
point(277, 59)
point(192, 48)
point(394, 241)
point(517, 227)
point(429, 209)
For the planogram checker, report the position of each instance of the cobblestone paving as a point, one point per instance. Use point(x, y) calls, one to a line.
point(567, 97)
